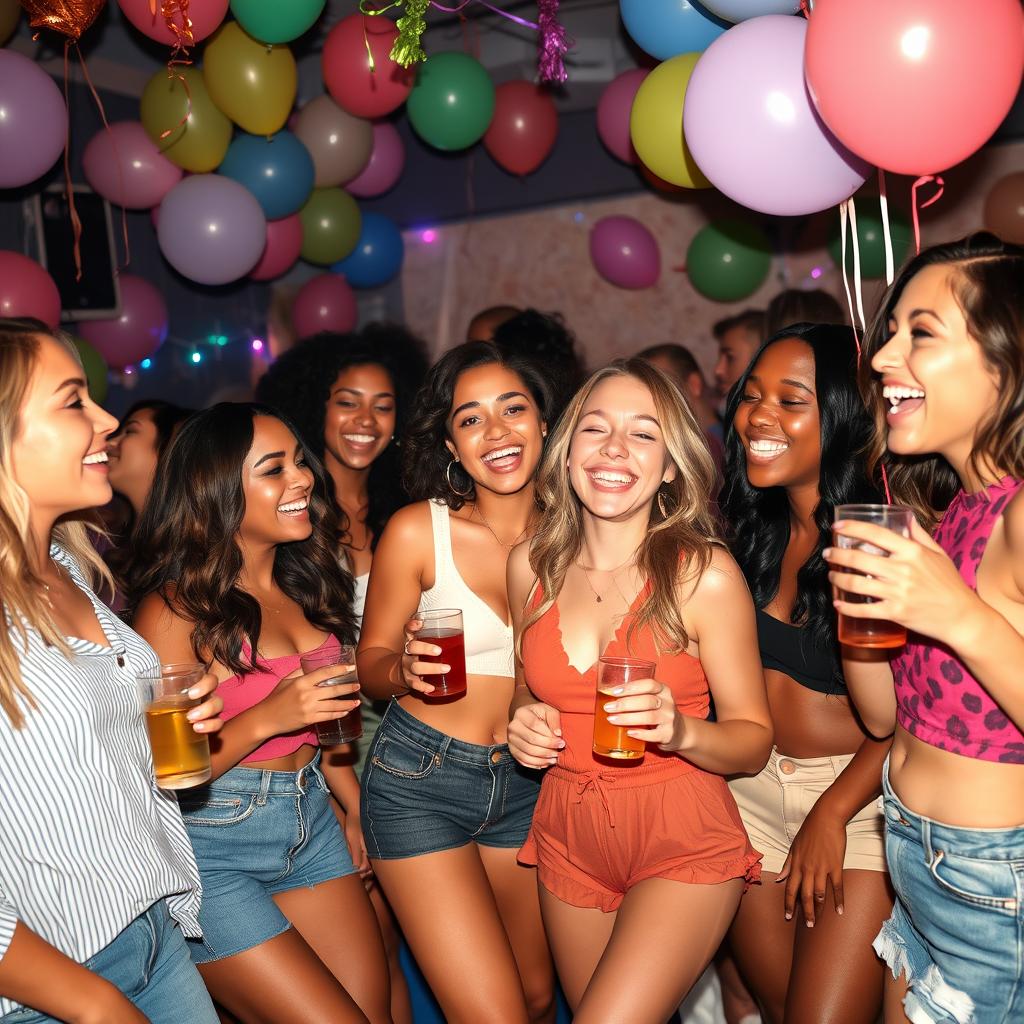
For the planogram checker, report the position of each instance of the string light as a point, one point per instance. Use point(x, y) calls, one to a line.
point(257, 344)
point(197, 356)
point(146, 364)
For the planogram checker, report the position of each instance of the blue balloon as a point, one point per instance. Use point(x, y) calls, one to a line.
point(667, 28)
point(378, 254)
point(740, 10)
point(278, 171)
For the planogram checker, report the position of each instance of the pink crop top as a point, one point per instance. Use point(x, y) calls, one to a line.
point(938, 700)
point(240, 693)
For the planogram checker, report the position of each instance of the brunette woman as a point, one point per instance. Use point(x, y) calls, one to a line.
point(244, 576)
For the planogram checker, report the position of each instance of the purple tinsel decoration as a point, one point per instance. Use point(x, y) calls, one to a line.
point(553, 42)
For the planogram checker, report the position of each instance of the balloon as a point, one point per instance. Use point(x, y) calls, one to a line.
point(27, 290)
point(625, 252)
point(69, 17)
point(10, 13)
point(387, 159)
point(523, 129)
point(362, 87)
point(377, 257)
point(212, 229)
point(205, 16)
point(339, 143)
point(198, 144)
point(330, 226)
point(276, 21)
point(915, 86)
point(740, 10)
point(137, 332)
point(452, 103)
point(253, 83)
point(1004, 208)
point(123, 164)
point(95, 367)
point(284, 244)
point(278, 171)
point(871, 242)
point(656, 123)
point(34, 121)
point(751, 127)
point(325, 303)
point(667, 28)
point(728, 260)
point(660, 184)
point(613, 110)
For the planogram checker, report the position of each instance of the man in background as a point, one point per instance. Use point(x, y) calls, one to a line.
point(487, 321)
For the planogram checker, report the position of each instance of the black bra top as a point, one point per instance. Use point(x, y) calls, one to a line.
point(788, 649)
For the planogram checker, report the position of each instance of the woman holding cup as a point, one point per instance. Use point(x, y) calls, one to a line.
point(943, 372)
point(641, 861)
point(243, 575)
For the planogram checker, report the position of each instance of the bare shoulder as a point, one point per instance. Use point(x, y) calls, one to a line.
point(409, 525)
point(160, 621)
point(722, 579)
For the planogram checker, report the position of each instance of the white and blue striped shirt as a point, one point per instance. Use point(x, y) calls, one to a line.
point(87, 841)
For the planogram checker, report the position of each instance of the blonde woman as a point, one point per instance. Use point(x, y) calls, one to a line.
point(641, 864)
point(98, 885)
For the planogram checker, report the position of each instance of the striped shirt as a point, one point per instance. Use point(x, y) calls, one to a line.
point(87, 841)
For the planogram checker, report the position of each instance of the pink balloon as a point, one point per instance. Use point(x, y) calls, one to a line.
point(206, 15)
point(625, 252)
point(33, 120)
point(27, 290)
point(124, 165)
point(154, 216)
point(284, 243)
point(613, 110)
point(387, 160)
point(139, 330)
point(325, 303)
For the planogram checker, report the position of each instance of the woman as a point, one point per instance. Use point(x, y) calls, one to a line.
point(442, 833)
point(98, 885)
point(624, 563)
point(798, 426)
point(943, 373)
point(243, 575)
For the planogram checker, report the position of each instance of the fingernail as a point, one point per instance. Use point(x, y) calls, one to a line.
point(445, 668)
point(618, 690)
point(558, 732)
point(561, 745)
point(826, 552)
point(789, 917)
point(839, 911)
point(614, 719)
point(611, 706)
point(810, 924)
point(436, 651)
point(194, 693)
point(199, 727)
point(193, 714)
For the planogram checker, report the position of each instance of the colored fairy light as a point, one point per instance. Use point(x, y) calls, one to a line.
point(428, 236)
point(816, 273)
point(146, 364)
point(257, 345)
point(129, 370)
point(197, 357)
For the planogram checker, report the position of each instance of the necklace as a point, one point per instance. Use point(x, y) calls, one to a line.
point(588, 569)
point(490, 529)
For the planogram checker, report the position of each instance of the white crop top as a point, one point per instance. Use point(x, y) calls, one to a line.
point(488, 639)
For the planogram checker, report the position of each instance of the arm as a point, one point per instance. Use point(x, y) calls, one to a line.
point(869, 679)
point(344, 787)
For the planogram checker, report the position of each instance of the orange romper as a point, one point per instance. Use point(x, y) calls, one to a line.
point(600, 827)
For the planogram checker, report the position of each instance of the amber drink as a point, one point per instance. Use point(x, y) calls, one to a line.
point(181, 756)
point(613, 740)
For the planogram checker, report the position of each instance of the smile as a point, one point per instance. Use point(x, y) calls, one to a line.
point(95, 459)
point(361, 438)
point(503, 453)
point(294, 508)
point(612, 479)
point(902, 399)
point(766, 450)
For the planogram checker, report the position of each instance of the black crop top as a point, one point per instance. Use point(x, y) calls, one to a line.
point(787, 648)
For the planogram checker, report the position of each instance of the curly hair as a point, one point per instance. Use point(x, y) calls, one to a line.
point(189, 530)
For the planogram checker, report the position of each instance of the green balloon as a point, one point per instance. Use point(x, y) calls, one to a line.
point(95, 367)
point(728, 260)
point(276, 21)
point(331, 225)
point(452, 102)
point(871, 242)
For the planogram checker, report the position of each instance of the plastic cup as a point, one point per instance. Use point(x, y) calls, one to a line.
point(443, 627)
point(612, 740)
point(181, 756)
point(340, 730)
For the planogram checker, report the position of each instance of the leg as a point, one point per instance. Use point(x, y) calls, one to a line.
point(337, 922)
point(401, 1003)
point(449, 916)
point(737, 1002)
point(895, 993)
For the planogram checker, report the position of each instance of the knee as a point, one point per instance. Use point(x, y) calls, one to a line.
point(540, 1000)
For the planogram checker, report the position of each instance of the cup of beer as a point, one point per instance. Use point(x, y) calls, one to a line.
point(340, 730)
point(876, 633)
point(443, 627)
point(181, 756)
point(613, 740)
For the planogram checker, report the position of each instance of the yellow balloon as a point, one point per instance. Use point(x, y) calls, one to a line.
point(252, 82)
point(10, 13)
point(656, 123)
point(198, 144)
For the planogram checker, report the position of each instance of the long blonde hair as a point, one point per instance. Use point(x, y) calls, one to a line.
point(677, 546)
point(23, 602)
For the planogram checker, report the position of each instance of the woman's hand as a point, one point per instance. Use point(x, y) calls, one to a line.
point(110, 1006)
point(299, 700)
point(413, 669)
point(649, 710)
point(205, 717)
point(356, 846)
point(815, 860)
point(535, 735)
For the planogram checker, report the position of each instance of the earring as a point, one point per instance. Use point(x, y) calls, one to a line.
point(454, 489)
point(661, 505)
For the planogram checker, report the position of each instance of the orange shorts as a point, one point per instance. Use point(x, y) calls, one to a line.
point(595, 834)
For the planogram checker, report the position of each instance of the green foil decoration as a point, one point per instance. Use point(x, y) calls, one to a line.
point(411, 26)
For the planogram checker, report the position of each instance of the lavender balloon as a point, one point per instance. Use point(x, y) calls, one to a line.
point(211, 229)
point(625, 252)
point(750, 124)
point(33, 120)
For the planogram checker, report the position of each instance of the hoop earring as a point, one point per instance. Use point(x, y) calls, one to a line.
point(452, 487)
point(661, 505)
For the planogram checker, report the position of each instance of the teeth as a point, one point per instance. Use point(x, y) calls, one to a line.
point(294, 506)
point(768, 447)
point(95, 458)
point(502, 453)
point(360, 438)
point(897, 392)
point(613, 478)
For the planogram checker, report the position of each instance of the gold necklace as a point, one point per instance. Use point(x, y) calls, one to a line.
point(587, 570)
point(490, 529)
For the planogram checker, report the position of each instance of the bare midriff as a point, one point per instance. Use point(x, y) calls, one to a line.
point(480, 716)
point(808, 723)
point(288, 763)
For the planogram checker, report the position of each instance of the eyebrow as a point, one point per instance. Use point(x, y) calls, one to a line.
point(476, 405)
point(264, 458)
point(785, 380)
point(921, 312)
point(636, 416)
point(71, 382)
point(357, 391)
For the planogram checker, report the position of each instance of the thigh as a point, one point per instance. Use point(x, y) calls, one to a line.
point(895, 993)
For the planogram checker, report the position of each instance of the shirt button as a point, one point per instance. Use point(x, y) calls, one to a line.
point(787, 767)
point(120, 661)
point(496, 757)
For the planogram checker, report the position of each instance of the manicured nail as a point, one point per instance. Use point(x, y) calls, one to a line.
point(445, 668)
point(839, 911)
point(193, 714)
point(561, 745)
point(810, 924)
point(789, 916)
point(611, 706)
point(435, 651)
point(826, 553)
point(618, 690)
point(558, 732)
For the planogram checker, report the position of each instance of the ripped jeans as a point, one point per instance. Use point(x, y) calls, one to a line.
point(957, 930)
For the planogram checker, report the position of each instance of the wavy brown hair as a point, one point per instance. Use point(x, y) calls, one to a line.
point(676, 548)
point(189, 532)
point(988, 284)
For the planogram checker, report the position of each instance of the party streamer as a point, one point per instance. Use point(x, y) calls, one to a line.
point(554, 43)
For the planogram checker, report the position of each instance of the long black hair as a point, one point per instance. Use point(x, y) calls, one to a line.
point(758, 518)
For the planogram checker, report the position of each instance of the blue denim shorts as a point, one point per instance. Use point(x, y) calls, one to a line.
point(256, 833)
point(957, 928)
point(424, 791)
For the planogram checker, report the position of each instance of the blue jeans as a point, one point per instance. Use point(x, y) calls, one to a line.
point(149, 963)
point(957, 930)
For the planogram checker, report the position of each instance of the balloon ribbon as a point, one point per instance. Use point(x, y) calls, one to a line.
point(940, 186)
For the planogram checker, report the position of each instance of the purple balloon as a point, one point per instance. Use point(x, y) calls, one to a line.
point(751, 126)
point(211, 229)
point(139, 329)
point(625, 252)
point(387, 160)
point(613, 110)
point(34, 121)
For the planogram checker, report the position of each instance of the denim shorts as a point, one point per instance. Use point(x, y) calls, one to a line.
point(957, 928)
point(149, 963)
point(424, 791)
point(256, 833)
